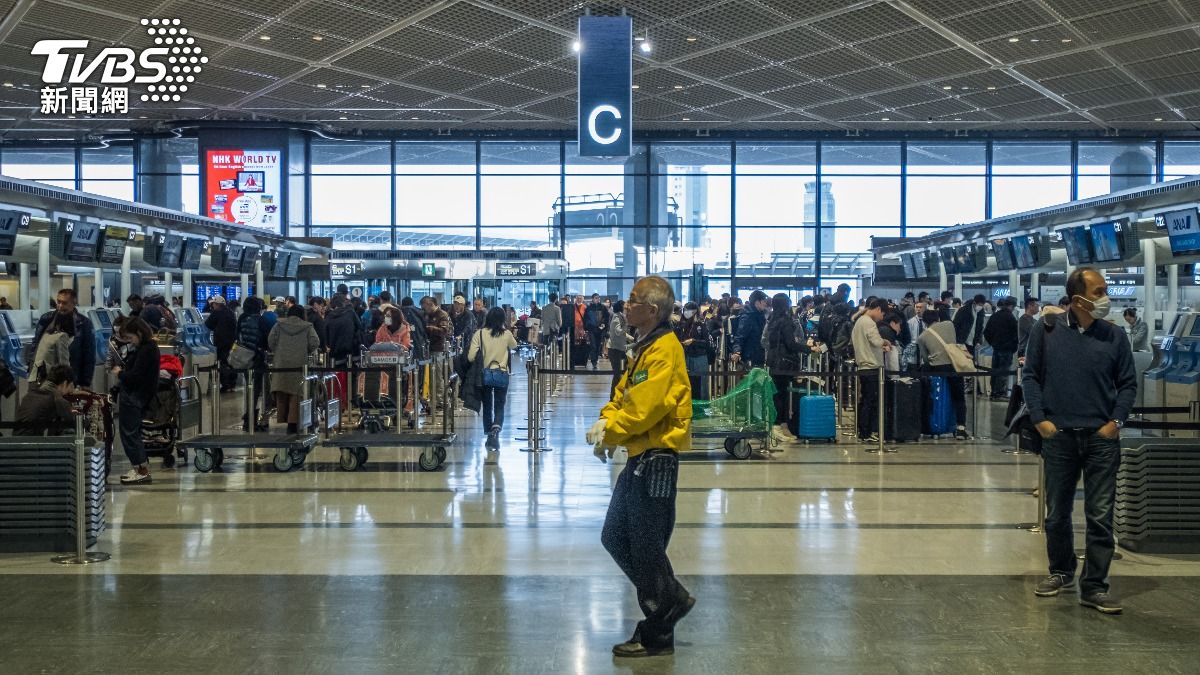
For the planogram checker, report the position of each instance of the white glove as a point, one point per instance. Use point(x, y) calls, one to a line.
point(604, 454)
point(596, 434)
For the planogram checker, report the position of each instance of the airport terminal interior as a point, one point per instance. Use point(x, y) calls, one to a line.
point(354, 336)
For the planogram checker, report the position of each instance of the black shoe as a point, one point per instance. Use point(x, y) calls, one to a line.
point(679, 611)
point(1051, 585)
point(1101, 602)
point(636, 650)
point(493, 439)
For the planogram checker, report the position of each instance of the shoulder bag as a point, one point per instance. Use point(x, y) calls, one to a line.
point(958, 354)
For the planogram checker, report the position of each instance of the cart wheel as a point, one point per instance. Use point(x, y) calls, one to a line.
point(349, 460)
point(298, 457)
point(283, 461)
point(374, 427)
point(729, 445)
point(169, 460)
point(183, 454)
point(362, 453)
point(441, 454)
point(428, 460)
point(203, 461)
point(219, 457)
point(741, 448)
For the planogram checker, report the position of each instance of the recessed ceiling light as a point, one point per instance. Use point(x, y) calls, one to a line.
point(887, 119)
point(679, 86)
point(957, 119)
point(1065, 40)
point(415, 118)
point(365, 86)
point(687, 119)
point(318, 38)
point(947, 87)
point(636, 86)
point(991, 89)
point(342, 117)
point(264, 37)
point(1157, 119)
point(639, 38)
point(141, 117)
point(576, 46)
point(1014, 39)
point(1034, 40)
point(691, 38)
point(646, 47)
point(8, 84)
point(964, 88)
point(320, 86)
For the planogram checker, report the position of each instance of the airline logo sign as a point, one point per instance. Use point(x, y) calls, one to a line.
point(1183, 229)
point(605, 86)
point(70, 76)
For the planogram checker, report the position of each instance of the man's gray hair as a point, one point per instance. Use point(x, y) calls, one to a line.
point(660, 294)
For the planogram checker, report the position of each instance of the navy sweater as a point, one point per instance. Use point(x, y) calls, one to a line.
point(1089, 377)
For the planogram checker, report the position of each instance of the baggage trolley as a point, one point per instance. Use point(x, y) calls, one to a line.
point(741, 417)
point(354, 447)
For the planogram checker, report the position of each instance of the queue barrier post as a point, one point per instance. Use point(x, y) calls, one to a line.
point(533, 396)
point(81, 555)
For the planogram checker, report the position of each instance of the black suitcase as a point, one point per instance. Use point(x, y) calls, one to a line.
point(905, 407)
point(579, 354)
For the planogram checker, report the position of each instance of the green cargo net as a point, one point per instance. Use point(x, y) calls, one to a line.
point(750, 406)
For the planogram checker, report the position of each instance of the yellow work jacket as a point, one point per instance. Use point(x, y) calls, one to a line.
point(653, 403)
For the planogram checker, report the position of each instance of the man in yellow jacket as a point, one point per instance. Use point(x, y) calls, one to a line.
point(650, 416)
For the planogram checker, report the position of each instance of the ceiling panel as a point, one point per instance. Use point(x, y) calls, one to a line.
point(1029, 109)
point(864, 24)
point(445, 78)
point(340, 20)
point(700, 96)
point(489, 62)
point(424, 44)
point(789, 44)
point(504, 94)
point(831, 63)
point(1176, 64)
point(1096, 79)
point(873, 79)
point(905, 45)
point(742, 109)
point(844, 110)
point(380, 63)
point(1142, 18)
point(535, 44)
point(471, 23)
point(200, 16)
point(731, 20)
point(942, 64)
point(1095, 97)
point(804, 95)
point(547, 79)
point(1006, 18)
point(1064, 65)
point(765, 79)
point(723, 63)
point(1152, 48)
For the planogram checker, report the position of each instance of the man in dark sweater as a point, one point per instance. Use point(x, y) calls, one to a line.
point(1001, 334)
point(968, 322)
point(1079, 383)
point(1025, 326)
point(83, 347)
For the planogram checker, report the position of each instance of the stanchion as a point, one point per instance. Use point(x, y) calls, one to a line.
point(81, 555)
point(1036, 527)
point(974, 406)
point(880, 415)
point(534, 414)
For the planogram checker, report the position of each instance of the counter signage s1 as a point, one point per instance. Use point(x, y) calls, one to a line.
point(243, 187)
point(344, 270)
point(605, 122)
point(510, 270)
point(1183, 230)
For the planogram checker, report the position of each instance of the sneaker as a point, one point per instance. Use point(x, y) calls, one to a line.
point(493, 439)
point(873, 438)
point(960, 434)
point(134, 477)
point(780, 433)
point(1101, 602)
point(635, 650)
point(1051, 585)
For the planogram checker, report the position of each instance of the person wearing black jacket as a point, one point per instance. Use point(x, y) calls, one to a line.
point(693, 335)
point(43, 410)
point(138, 380)
point(223, 325)
point(83, 347)
point(315, 314)
point(596, 318)
point(1001, 333)
point(343, 338)
point(968, 323)
point(252, 331)
point(747, 345)
point(785, 341)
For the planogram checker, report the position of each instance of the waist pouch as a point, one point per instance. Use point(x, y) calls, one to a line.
point(661, 471)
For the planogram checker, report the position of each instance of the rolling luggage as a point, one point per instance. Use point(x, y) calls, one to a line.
point(817, 418)
point(904, 399)
point(941, 410)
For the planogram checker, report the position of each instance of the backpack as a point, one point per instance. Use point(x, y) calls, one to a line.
point(826, 323)
point(420, 339)
point(372, 319)
point(842, 343)
point(592, 318)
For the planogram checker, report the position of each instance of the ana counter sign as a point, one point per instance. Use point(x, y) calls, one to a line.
point(516, 269)
point(1183, 230)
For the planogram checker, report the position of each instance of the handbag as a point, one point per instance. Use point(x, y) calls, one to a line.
point(959, 357)
point(241, 358)
point(495, 377)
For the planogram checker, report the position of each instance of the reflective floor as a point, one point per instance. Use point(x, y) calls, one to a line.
point(818, 558)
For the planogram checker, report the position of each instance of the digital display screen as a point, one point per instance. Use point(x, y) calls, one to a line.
point(250, 181)
point(1078, 245)
point(1183, 231)
point(922, 266)
point(233, 257)
point(170, 249)
point(1025, 252)
point(1003, 250)
point(83, 240)
point(950, 260)
point(279, 263)
point(906, 262)
point(249, 258)
point(113, 241)
point(193, 249)
point(293, 267)
point(10, 222)
point(1107, 245)
point(103, 319)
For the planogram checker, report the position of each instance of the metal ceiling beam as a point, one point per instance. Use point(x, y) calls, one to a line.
point(968, 46)
point(13, 18)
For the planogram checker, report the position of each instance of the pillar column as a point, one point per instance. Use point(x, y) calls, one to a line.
point(1150, 263)
point(245, 280)
point(258, 282)
point(168, 282)
point(126, 280)
point(23, 291)
point(98, 289)
point(958, 287)
point(1035, 285)
point(1014, 287)
point(187, 288)
point(43, 285)
point(1172, 296)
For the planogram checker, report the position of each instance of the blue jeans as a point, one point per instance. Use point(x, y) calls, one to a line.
point(493, 402)
point(697, 369)
point(1068, 454)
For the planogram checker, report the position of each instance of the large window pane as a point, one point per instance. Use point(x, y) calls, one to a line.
point(515, 237)
point(295, 212)
point(520, 158)
point(351, 200)
point(168, 155)
point(338, 157)
point(945, 200)
point(113, 162)
point(860, 158)
point(633, 164)
point(776, 158)
point(1181, 158)
point(357, 238)
point(435, 200)
point(435, 157)
point(1033, 159)
point(1015, 194)
point(618, 252)
point(518, 200)
point(1110, 167)
point(765, 244)
point(694, 198)
point(710, 158)
point(863, 201)
point(117, 189)
point(947, 159)
point(858, 239)
point(677, 249)
point(412, 238)
point(775, 200)
point(43, 164)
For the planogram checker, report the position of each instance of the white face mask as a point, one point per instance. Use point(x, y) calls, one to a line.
point(387, 320)
point(689, 313)
point(1100, 306)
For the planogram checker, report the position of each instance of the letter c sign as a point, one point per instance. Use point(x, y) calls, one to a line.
point(591, 123)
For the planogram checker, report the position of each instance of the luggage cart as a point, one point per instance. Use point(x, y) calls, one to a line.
point(290, 450)
point(741, 418)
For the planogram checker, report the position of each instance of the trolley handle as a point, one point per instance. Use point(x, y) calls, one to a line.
point(186, 382)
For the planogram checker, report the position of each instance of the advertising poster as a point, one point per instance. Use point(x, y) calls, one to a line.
point(243, 187)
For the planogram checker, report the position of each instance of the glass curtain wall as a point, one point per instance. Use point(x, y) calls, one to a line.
point(168, 173)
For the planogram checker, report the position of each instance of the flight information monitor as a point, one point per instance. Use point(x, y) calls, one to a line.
point(1078, 245)
point(75, 240)
point(113, 241)
point(193, 249)
point(1003, 250)
point(1107, 243)
point(249, 258)
point(1027, 250)
point(10, 222)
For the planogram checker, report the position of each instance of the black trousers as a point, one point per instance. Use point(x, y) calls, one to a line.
point(597, 345)
point(868, 402)
point(783, 411)
point(228, 378)
point(617, 358)
point(636, 532)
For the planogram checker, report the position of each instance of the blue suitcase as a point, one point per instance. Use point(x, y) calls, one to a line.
point(817, 418)
point(941, 411)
